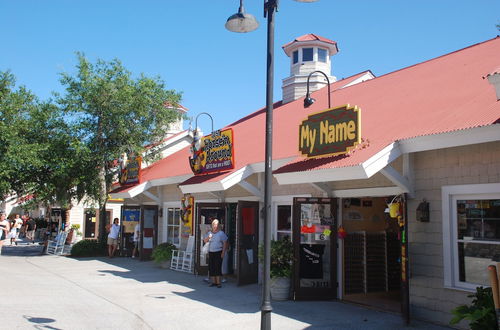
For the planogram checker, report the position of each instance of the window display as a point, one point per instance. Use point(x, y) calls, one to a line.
point(478, 230)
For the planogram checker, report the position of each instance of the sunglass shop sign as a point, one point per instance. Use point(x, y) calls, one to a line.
point(213, 153)
point(331, 132)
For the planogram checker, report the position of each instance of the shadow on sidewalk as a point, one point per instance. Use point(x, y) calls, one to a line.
point(230, 297)
point(23, 249)
point(247, 299)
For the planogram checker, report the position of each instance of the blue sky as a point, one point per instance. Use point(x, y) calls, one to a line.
point(220, 72)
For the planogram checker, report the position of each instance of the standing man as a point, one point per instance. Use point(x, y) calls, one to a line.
point(137, 234)
point(30, 229)
point(113, 237)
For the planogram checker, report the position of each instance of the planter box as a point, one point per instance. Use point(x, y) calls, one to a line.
point(280, 288)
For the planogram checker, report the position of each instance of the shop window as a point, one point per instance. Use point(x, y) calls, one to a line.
point(473, 227)
point(284, 223)
point(174, 225)
point(295, 57)
point(307, 54)
point(478, 228)
point(322, 55)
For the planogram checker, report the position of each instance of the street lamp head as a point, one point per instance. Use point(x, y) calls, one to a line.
point(241, 22)
point(308, 101)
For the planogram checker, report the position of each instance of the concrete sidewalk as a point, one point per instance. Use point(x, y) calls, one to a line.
point(121, 293)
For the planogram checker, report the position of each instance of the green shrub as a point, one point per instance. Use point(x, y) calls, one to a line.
point(481, 313)
point(163, 252)
point(281, 257)
point(89, 248)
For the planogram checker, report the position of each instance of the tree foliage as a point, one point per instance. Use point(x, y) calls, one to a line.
point(37, 153)
point(66, 149)
point(113, 113)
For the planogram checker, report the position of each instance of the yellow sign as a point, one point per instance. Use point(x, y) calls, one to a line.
point(187, 212)
point(212, 153)
point(331, 132)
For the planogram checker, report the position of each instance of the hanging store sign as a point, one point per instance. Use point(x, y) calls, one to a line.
point(331, 132)
point(212, 153)
point(131, 174)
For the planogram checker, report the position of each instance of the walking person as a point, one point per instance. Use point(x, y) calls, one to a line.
point(217, 249)
point(30, 230)
point(23, 227)
point(114, 230)
point(18, 223)
point(4, 229)
point(137, 234)
point(13, 231)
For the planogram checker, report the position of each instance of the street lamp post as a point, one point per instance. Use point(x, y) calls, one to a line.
point(243, 22)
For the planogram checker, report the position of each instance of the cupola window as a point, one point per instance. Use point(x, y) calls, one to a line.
point(307, 54)
point(322, 55)
point(295, 57)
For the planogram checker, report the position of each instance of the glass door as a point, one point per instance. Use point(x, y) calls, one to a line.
point(315, 248)
point(149, 231)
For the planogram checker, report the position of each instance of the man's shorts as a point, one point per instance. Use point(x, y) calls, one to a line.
point(112, 241)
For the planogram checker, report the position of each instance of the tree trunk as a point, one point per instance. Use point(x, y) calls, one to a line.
point(102, 223)
point(103, 197)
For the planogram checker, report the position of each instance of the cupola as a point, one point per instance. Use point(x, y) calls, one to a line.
point(307, 53)
point(494, 79)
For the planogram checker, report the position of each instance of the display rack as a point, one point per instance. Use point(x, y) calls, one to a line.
point(354, 262)
point(371, 262)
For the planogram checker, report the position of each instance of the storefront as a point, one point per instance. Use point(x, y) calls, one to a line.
point(397, 139)
point(146, 216)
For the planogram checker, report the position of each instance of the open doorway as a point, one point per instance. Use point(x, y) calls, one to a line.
point(371, 254)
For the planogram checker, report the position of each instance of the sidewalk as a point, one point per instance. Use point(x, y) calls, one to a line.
point(124, 293)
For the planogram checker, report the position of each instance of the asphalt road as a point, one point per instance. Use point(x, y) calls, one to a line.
point(53, 292)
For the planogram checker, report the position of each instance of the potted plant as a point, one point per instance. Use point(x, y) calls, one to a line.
point(77, 234)
point(481, 312)
point(281, 267)
point(162, 254)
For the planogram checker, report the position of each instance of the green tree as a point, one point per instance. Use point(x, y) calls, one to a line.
point(113, 113)
point(38, 155)
point(15, 106)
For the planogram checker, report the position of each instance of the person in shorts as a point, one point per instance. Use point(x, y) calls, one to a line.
point(30, 230)
point(18, 223)
point(114, 230)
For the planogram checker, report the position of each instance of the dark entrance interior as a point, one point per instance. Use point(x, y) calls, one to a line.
point(206, 213)
point(248, 242)
point(90, 223)
point(372, 254)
